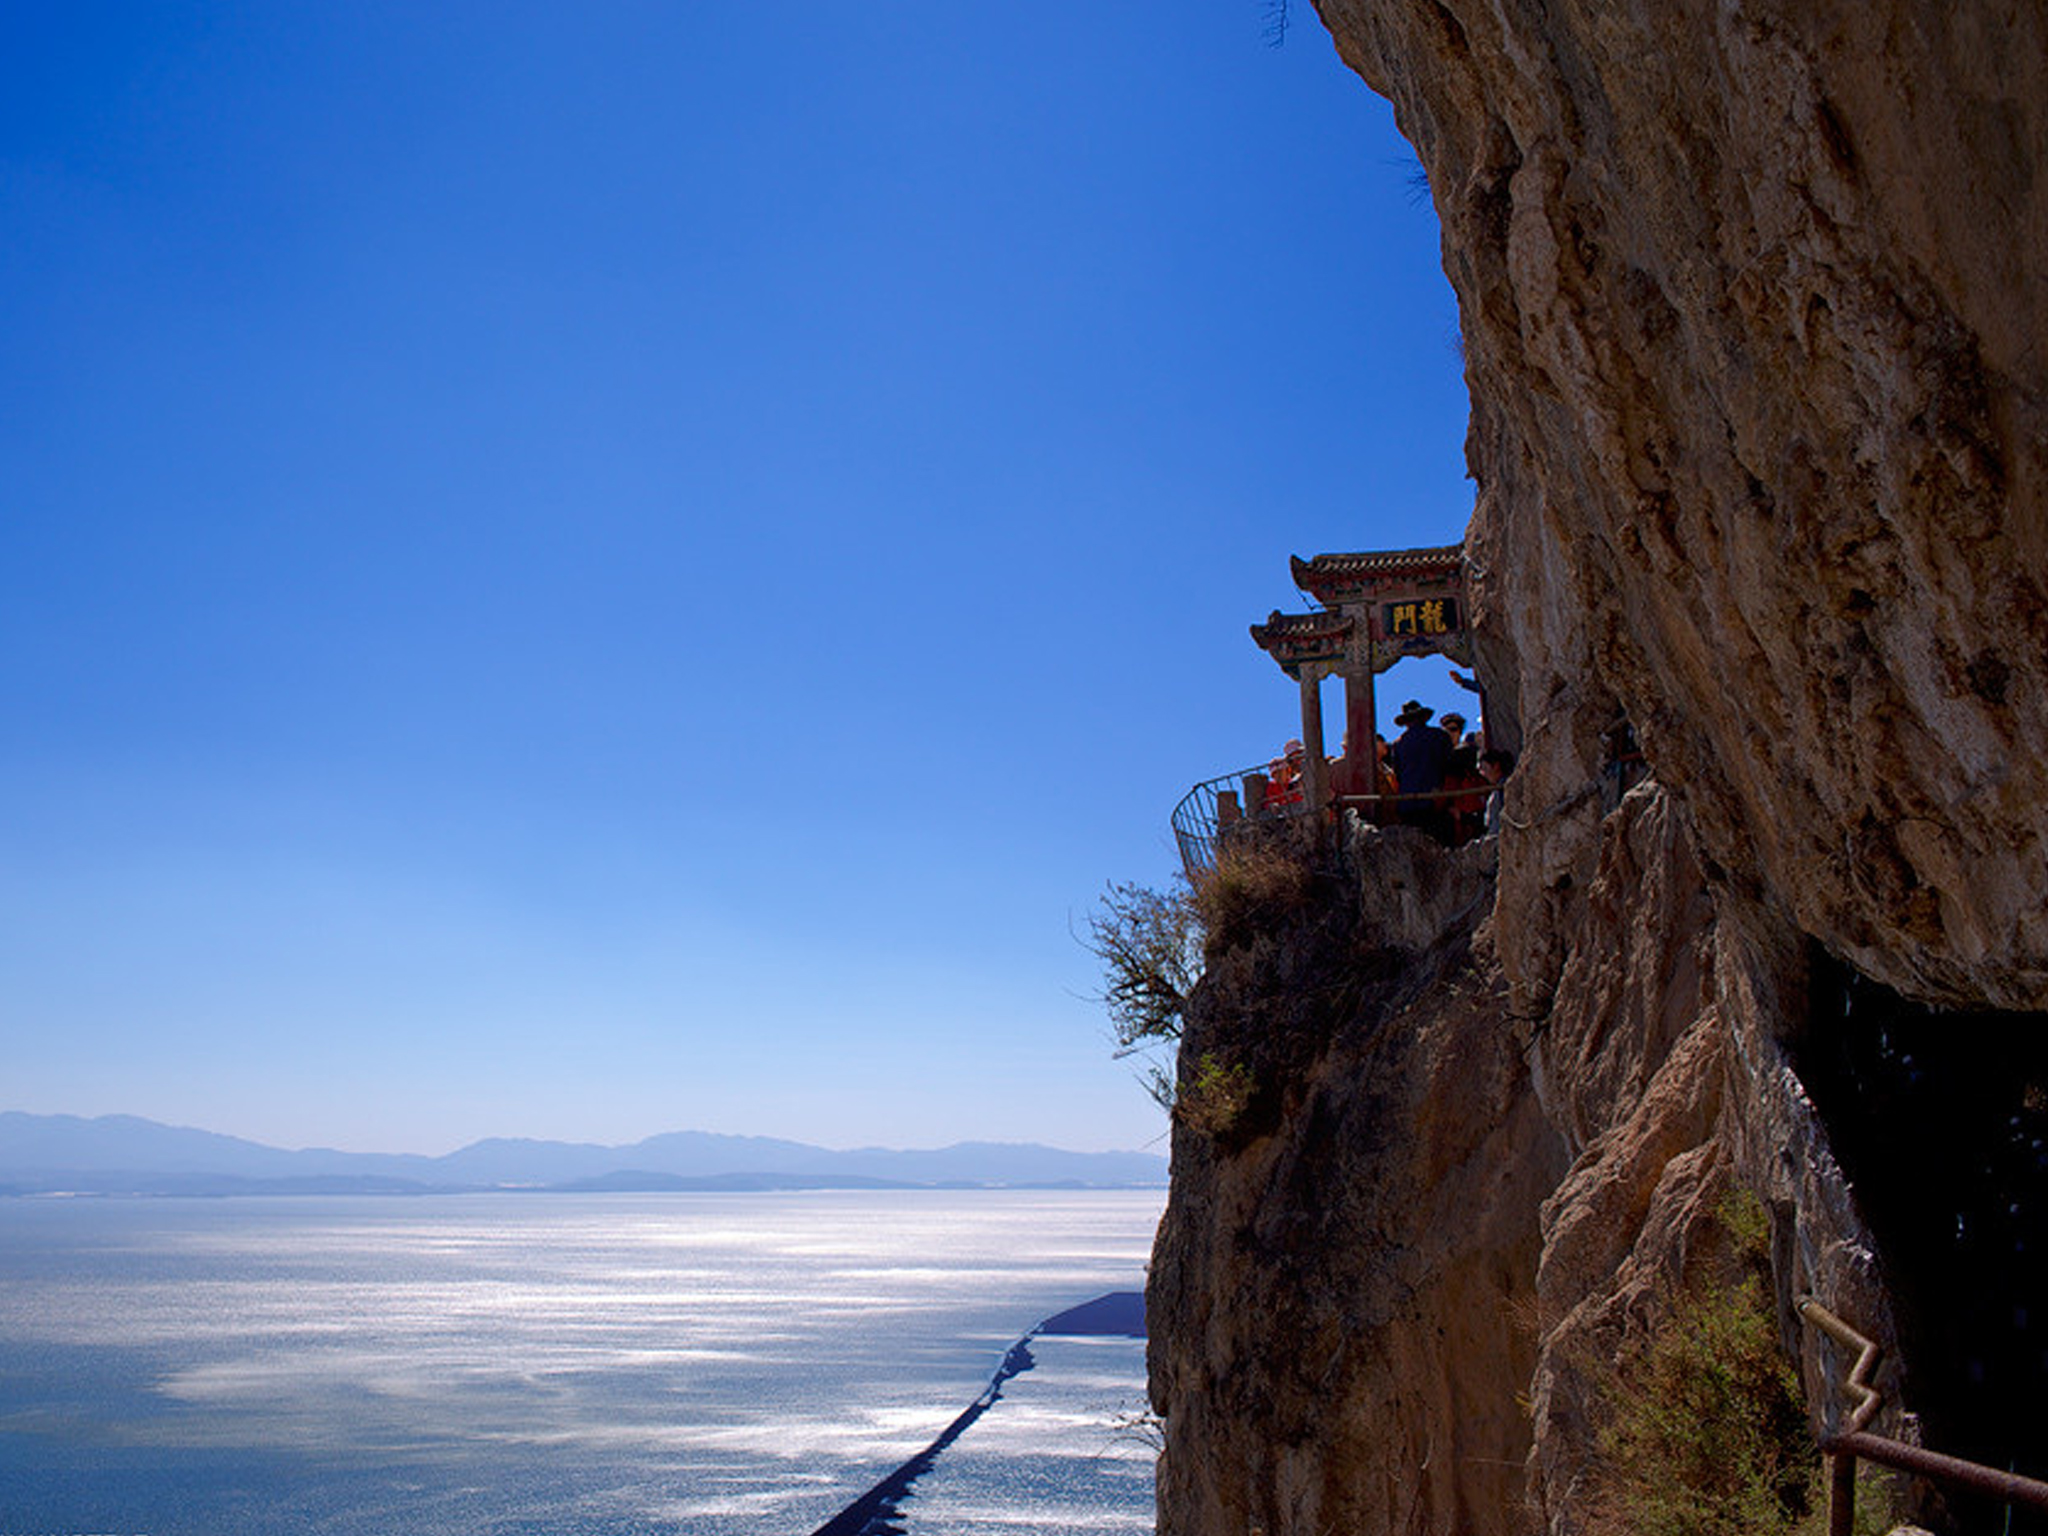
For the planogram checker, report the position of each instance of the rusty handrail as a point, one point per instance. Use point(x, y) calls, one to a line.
point(1978, 1478)
point(1867, 1399)
point(1477, 791)
point(1855, 1441)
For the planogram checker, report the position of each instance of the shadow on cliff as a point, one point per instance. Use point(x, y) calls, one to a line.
point(1940, 1120)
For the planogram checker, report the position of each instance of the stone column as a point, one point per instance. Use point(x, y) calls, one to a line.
point(1315, 771)
point(1360, 727)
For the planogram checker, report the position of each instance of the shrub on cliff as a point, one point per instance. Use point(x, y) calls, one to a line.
point(1217, 1097)
point(1150, 946)
point(1155, 946)
point(1708, 1434)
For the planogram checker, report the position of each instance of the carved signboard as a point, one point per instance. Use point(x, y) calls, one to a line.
point(1379, 607)
point(1419, 617)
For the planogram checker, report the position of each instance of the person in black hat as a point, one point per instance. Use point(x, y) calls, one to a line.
point(1421, 753)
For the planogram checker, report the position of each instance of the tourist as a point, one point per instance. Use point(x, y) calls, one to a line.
point(1339, 769)
point(1297, 765)
point(1283, 778)
point(1494, 767)
point(1467, 812)
point(1421, 753)
point(1383, 785)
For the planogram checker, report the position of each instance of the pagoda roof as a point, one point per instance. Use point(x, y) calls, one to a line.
point(1298, 639)
point(1335, 570)
point(1323, 624)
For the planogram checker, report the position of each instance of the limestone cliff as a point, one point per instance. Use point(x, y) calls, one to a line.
point(1756, 334)
point(1340, 1266)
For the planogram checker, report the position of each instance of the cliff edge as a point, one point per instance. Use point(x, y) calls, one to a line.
point(1756, 334)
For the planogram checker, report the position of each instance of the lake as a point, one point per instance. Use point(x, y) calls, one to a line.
point(579, 1365)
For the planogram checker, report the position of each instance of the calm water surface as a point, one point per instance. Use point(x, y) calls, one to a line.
point(511, 1364)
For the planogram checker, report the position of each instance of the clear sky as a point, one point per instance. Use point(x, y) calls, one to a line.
point(587, 570)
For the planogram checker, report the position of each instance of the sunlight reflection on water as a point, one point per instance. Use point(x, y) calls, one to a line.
point(720, 1363)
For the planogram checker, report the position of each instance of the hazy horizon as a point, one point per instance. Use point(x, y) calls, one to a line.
point(1157, 1149)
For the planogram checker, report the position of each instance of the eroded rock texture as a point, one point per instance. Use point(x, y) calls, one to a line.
point(1387, 1296)
point(1757, 341)
point(1756, 333)
point(1345, 1268)
point(1659, 1060)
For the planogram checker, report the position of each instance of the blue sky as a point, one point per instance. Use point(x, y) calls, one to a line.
point(580, 571)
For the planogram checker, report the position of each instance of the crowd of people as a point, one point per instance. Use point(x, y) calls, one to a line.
point(1439, 777)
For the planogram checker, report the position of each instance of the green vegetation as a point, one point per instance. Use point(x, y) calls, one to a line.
point(1708, 1433)
point(1217, 1097)
point(1153, 946)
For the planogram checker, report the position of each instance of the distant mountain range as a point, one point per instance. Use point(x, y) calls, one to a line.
point(122, 1154)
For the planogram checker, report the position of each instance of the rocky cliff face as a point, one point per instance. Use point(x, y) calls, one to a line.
point(1756, 331)
point(1757, 340)
point(1344, 1268)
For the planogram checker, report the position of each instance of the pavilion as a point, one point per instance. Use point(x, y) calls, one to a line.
point(1378, 607)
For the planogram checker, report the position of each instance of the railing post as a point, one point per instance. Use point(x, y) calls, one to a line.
point(1255, 792)
point(1841, 1494)
point(1842, 1464)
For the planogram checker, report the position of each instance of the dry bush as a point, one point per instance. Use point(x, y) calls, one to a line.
point(1259, 884)
point(1150, 946)
point(1708, 1436)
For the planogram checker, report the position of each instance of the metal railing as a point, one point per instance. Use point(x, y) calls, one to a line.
point(1856, 1441)
point(1197, 824)
point(1202, 818)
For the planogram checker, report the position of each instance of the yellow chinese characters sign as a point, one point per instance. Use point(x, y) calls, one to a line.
point(1419, 617)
